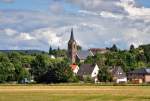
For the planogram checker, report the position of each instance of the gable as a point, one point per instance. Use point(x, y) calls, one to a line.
point(95, 71)
point(118, 72)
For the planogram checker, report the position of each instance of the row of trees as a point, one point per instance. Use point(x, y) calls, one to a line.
point(15, 66)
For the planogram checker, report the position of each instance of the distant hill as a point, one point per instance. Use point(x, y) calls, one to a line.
point(25, 51)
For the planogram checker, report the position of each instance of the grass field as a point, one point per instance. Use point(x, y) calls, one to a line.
point(74, 93)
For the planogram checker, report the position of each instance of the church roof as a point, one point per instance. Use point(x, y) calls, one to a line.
point(71, 40)
point(83, 54)
point(72, 36)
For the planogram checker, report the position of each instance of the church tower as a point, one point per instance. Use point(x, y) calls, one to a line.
point(72, 48)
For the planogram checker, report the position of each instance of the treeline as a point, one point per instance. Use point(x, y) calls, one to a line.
point(127, 59)
point(17, 67)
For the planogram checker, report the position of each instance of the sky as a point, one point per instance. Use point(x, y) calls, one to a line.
point(37, 24)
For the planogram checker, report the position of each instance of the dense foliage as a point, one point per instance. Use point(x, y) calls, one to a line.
point(12, 67)
point(128, 60)
point(15, 66)
point(58, 53)
point(50, 71)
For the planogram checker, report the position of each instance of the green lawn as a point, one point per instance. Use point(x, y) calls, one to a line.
point(74, 93)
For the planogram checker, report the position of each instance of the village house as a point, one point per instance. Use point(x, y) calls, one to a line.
point(141, 75)
point(118, 75)
point(75, 68)
point(88, 71)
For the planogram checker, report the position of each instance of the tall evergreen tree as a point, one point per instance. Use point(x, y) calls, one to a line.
point(114, 48)
point(132, 48)
point(50, 50)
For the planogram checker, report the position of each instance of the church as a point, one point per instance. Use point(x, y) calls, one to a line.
point(76, 56)
point(72, 48)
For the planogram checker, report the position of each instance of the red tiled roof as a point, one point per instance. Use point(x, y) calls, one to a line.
point(73, 66)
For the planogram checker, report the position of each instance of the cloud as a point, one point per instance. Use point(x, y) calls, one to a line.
point(7, 1)
point(102, 24)
point(135, 12)
point(10, 32)
point(113, 8)
point(56, 7)
point(25, 36)
point(111, 15)
point(98, 5)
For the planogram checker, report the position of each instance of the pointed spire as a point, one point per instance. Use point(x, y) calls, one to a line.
point(72, 36)
point(58, 48)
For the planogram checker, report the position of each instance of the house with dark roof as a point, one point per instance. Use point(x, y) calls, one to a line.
point(141, 75)
point(88, 70)
point(82, 55)
point(118, 75)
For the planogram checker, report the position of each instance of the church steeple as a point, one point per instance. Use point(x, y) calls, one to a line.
point(72, 36)
point(72, 48)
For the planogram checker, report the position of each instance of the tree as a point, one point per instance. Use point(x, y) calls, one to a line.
point(39, 67)
point(7, 71)
point(4, 58)
point(90, 60)
point(114, 48)
point(50, 50)
point(146, 49)
point(99, 59)
point(59, 72)
point(132, 48)
point(24, 74)
point(11, 67)
point(104, 75)
point(79, 48)
point(15, 59)
point(45, 70)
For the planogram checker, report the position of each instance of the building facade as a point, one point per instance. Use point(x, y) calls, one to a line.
point(118, 75)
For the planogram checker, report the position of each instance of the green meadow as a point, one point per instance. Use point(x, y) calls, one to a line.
point(74, 93)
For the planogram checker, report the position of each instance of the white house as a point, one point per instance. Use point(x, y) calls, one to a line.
point(118, 75)
point(88, 70)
